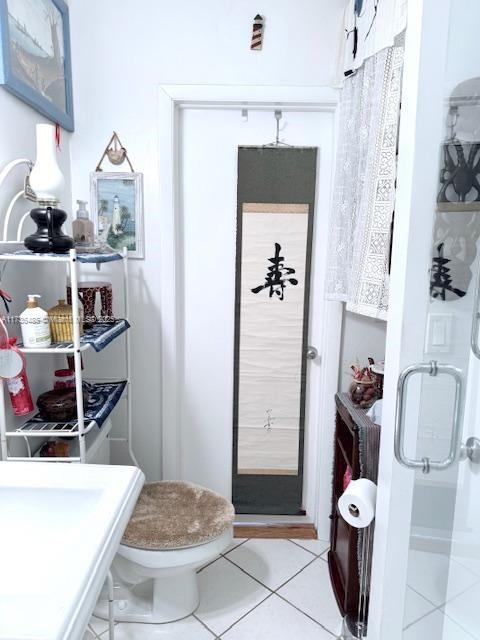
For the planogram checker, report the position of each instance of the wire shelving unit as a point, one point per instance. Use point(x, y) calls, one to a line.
point(87, 432)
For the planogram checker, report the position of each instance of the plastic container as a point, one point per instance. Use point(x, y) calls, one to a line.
point(378, 373)
point(64, 379)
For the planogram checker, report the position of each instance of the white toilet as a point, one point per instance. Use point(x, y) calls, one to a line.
point(176, 528)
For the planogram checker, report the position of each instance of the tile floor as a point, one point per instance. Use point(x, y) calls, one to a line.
point(257, 589)
point(443, 598)
point(280, 590)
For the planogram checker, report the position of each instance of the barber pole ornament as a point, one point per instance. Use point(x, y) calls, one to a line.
point(257, 33)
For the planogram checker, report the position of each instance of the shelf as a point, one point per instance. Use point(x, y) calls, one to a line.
point(103, 394)
point(103, 397)
point(24, 255)
point(36, 427)
point(93, 442)
point(98, 337)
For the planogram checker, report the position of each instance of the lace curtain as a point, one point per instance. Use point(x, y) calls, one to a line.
point(364, 186)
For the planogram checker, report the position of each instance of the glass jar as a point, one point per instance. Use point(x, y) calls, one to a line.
point(64, 379)
point(363, 393)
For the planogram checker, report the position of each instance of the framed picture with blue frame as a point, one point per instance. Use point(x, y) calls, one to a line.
point(35, 63)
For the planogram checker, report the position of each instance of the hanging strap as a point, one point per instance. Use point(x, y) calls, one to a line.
point(7, 298)
point(115, 152)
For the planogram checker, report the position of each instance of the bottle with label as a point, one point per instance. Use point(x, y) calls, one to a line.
point(35, 325)
point(83, 231)
point(19, 389)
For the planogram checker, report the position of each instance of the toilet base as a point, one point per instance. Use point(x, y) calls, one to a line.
point(158, 600)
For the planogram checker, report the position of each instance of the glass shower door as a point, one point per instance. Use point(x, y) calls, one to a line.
point(431, 546)
point(440, 443)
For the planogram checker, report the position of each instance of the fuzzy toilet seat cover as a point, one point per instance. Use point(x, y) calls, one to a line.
point(171, 515)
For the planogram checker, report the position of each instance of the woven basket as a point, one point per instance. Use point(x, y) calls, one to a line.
point(61, 322)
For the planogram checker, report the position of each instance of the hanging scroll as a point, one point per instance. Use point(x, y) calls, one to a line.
point(276, 192)
point(274, 244)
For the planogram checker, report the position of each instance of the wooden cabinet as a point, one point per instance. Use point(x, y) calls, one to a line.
point(356, 448)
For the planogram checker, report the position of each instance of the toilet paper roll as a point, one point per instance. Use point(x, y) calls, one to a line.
point(357, 503)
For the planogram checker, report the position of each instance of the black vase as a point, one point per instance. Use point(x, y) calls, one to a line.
point(49, 235)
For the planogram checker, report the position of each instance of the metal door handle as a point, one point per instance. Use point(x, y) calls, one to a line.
point(312, 353)
point(426, 464)
point(471, 450)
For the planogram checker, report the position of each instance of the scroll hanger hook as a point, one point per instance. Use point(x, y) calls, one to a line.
point(278, 116)
point(278, 143)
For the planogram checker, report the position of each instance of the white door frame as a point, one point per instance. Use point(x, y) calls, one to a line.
point(172, 99)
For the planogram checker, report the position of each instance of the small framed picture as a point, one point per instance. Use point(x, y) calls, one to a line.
point(116, 202)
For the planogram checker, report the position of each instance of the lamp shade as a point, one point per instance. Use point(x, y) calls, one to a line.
point(46, 178)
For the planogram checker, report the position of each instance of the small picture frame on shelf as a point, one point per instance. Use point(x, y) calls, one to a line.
point(116, 202)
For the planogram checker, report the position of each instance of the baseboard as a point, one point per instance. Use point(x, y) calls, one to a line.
point(305, 531)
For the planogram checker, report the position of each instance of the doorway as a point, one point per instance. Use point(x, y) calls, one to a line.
point(201, 130)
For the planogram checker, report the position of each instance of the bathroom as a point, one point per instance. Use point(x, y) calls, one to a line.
point(223, 106)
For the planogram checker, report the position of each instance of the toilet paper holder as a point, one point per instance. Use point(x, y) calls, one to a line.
point(353, 510)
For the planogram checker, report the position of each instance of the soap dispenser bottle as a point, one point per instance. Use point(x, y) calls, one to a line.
point(83, 231)
point(35, 325)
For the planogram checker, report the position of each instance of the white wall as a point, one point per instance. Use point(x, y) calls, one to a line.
point(121, 53)
point(361, 337)
point(17, 135)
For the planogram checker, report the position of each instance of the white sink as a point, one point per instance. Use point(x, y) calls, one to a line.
point(60, 526)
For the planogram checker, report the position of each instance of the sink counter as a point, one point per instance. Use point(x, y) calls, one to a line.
point(60, 527)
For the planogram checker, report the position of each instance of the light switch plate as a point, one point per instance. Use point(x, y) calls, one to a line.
point(439, 333)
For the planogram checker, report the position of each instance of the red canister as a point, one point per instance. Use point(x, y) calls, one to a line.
point(64, 379)
point(19, 389)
